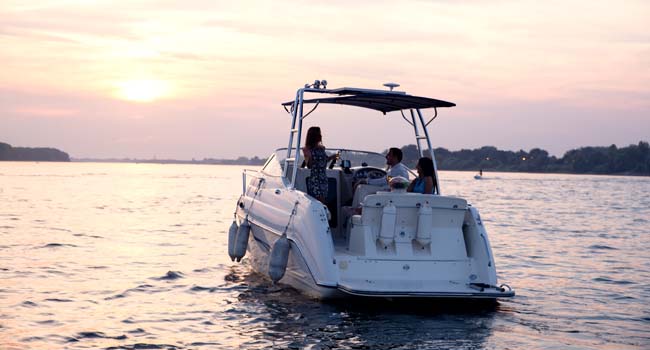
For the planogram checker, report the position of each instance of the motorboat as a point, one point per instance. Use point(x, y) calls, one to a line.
point(366, 238)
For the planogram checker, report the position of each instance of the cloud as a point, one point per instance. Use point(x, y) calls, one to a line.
point(234, 62)
point(72, 22)
point(45, 112)
point(27, 34)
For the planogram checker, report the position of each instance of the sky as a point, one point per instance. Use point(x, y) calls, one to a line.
point(205, 79)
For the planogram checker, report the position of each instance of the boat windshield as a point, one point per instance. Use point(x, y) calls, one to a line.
point(357, 159)
point(362, 158)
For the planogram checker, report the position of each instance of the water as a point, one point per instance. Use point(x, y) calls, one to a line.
point(133, 256)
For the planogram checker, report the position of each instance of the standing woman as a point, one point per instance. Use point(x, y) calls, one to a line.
point(425, 182)
point(316, 160)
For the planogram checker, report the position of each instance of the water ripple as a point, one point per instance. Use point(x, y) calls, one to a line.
point(169, 276)
point(580, 269)
point(94, 335)
point(58, 245)
point(59, 300)
point(612, 281)
point(143, 346)
point(602, 247)
point(203, 289)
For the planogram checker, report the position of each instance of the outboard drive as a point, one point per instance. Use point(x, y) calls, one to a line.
point(232, 237)
point(279, 258)
point(241, 242)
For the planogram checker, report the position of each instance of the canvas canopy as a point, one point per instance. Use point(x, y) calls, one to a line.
point(383, 101)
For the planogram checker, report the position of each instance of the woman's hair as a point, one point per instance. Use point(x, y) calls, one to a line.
point(426, 164)
point(313, 137)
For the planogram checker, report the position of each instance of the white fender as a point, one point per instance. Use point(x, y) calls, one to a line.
point(425, 225)
point(279, 258)
point(241, 242)
point(232, 236)
point(388, 218)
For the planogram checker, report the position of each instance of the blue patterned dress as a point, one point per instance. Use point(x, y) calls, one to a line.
point(317, 181)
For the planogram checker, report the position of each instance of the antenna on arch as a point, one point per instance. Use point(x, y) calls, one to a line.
point(391, 86)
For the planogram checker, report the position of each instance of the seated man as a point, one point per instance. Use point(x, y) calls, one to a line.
point(394, 162)
point(396, 170)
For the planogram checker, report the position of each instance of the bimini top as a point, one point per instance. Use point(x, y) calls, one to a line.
point(380, 100)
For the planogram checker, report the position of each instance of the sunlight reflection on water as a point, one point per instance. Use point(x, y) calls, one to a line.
point(129, 256)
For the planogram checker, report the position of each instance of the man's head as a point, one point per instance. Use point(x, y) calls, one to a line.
point(393, 156)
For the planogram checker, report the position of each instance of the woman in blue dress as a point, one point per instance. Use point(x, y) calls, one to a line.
point(316, 160)
point(425, 182)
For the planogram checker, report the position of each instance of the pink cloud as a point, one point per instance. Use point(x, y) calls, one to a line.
point(45, 112)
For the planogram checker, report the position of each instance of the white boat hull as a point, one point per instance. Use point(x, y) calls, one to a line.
point(297, 274)
point(454, 262)
point(401, 245)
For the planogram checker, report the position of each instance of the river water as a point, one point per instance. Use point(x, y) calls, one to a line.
point(133, 256)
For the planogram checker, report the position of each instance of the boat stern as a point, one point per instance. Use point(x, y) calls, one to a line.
point(415, 245)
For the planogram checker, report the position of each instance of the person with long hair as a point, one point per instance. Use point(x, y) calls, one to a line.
point(316, 160)
point(425, 182)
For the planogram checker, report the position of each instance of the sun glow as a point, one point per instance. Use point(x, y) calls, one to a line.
point(144, 90)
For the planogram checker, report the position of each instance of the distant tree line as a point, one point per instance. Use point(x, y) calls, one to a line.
point(7, 152)
point(630, 160)
point(238, 161)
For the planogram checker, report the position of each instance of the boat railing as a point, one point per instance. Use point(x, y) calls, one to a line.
point(256, 173)
point(244, 177)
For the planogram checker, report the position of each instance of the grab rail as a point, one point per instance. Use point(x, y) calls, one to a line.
point(259, 172)
point(244, 174)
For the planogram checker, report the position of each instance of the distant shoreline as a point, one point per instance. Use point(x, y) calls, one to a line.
point(230, 162)
point(36, 154)
point(633, 160)
point(238, 161)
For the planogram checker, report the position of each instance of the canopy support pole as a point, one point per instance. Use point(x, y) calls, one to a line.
point(293, 153)
point(433, 157)
point(417, 133)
